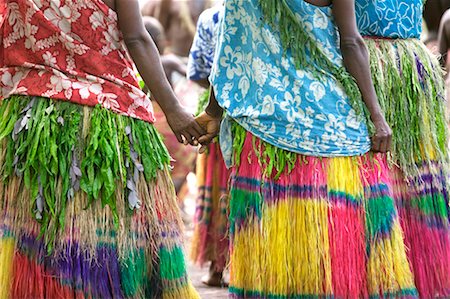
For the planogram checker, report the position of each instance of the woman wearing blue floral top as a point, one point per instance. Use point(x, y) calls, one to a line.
point(312, 210)
point(410, 87)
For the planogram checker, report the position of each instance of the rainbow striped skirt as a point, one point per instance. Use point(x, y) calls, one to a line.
point(210, 239)
point(87, 206)
point(308, 227)
point(410, 87)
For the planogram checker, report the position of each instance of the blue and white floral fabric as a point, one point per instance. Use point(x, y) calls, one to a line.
point(390, 18)
point(201, 56)
point(255, 80)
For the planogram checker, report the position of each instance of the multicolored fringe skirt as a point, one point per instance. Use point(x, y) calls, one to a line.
point(210, 240)
point(88, 209)
point(410, 86)
point(311, 227)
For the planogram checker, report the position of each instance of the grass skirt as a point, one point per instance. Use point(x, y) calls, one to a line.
point(88, 209)
point(314, 227)
point(410, 86)
point(210, 240)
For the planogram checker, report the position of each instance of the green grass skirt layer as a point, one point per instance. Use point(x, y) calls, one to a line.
point(410, 87)
point(87, 205)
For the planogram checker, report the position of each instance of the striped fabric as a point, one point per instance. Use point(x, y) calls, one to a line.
point(328, 228)
point(210, 240)
point(410, 87)
point(103, 267)
point(77, 246)
point(423, 205)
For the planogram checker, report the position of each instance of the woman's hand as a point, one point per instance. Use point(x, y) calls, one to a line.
point(184, 126)
point(382, 140)
point(209, 124)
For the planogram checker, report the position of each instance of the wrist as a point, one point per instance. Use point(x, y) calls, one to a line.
point(214, 111)
point(377, 116)
point(171, 107)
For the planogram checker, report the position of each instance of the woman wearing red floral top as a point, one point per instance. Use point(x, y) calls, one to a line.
point(87, 207)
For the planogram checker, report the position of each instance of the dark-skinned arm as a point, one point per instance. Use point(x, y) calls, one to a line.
point(145, 55)
point(356, 61)
point(202, 82)
point(210, 121)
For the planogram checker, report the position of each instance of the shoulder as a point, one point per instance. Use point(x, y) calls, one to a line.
point(148, 9)
point(210, 15)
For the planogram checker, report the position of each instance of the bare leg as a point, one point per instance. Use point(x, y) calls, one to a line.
point(215, 277)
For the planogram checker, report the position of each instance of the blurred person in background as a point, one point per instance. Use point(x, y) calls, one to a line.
point(178, 19)
point(444, 48)
point(432, 13)
point(210, 240)
point(172, 64)
point(444, 38)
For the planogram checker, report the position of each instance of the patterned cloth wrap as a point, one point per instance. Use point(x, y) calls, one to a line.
point(71, 51)
point(390, 18)
point(294, 109)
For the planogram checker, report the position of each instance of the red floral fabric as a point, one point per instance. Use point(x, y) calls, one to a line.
point(68, 50)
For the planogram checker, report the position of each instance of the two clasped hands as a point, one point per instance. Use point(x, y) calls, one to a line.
point(195, 131)
point(200, 130)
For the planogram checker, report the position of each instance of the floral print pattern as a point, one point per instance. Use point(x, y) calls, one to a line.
point(390, 18)
point(257, 83)
point(201, 56)
point(68, 50)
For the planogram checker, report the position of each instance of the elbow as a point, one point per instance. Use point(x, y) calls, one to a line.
point(136, 40)
point(353, 44)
